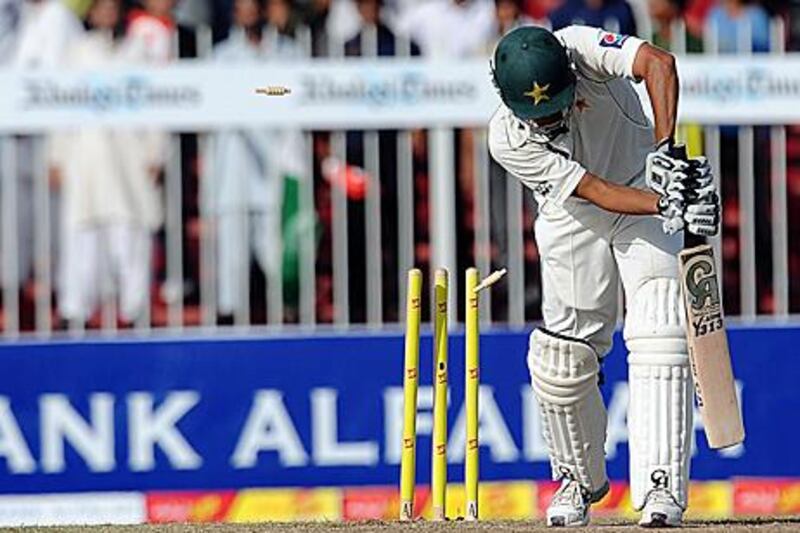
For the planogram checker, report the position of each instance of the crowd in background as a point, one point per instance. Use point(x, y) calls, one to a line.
point(467, 24)
point(107, 184)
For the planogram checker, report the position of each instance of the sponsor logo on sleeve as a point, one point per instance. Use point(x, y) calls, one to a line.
point(612, 40)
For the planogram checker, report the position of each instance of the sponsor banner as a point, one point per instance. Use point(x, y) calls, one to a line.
point(286, 505)
point(512, 501)
point(365, 93)
point(354, 93)
point(72, 509)
point(766, 497)
point(229, 414)
point(616, 503)
point(198, 506)
point(506, 500)
point(756, 89)
point(377, 503)
point(710, 500)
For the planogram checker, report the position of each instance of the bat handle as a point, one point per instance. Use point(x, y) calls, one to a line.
point(678, 151)
point(690, 240)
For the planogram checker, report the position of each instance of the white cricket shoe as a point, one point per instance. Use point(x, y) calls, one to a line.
point(569, 506)
point(661, 510)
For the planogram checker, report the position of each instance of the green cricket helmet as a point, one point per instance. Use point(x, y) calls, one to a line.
point(532, 73)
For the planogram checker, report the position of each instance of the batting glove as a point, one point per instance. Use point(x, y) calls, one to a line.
point(702, 215)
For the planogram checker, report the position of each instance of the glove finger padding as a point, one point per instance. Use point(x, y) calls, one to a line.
point(704, 231)
point(702, 219)
point(702, 209)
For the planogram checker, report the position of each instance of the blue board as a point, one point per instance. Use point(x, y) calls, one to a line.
point(319, 410)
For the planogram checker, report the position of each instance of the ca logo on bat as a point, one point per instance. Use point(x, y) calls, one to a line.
point(702, 289)
point(701, 282)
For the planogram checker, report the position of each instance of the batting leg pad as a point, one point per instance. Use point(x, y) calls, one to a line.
point(564, 375)
point(660, 381)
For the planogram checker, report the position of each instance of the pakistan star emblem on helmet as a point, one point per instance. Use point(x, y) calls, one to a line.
point(538, 93)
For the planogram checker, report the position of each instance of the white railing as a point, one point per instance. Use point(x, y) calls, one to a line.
point(354, 273)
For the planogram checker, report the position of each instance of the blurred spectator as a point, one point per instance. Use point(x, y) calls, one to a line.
point(9, 27)
point(370, 12)
point(331, 22)
point(540, 10)
point(109, 201)
point(194, 12)
point(739, 26)
point(394, 10)
point(793, 17)
point(509, 15)
point(455, 29)
point(282, 18)
point(695, 13)
point(613, 15)
point(450, 28)
point(374, 38)
point(150, 37)
point(666, 15)
point(48, 28)
point(245, 192)
point(560, 12)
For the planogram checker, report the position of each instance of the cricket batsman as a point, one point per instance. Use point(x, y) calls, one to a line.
point(613, 203)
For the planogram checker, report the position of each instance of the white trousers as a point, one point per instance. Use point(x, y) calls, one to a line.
point(585, 254)
point(239, 235)
point(113, 257)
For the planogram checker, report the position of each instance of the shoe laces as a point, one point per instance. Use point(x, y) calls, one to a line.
point(571, 493)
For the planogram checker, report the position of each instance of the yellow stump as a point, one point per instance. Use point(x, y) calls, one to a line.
point(410, 385)
point(439, 448)
point(472, 371)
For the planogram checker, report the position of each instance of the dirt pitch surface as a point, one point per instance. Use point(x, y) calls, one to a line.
point(766, 525)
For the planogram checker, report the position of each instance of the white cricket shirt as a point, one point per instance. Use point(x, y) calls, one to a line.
point(609, 134)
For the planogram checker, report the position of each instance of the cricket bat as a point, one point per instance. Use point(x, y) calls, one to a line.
point(707, 341)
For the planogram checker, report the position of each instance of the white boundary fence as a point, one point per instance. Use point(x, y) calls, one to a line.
point(337, 95)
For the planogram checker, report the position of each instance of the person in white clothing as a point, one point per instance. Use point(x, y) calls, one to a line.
point(49, 27)
point(449, 28)
point(613, 198)
point(150, 39)
point(245, 189)
point(45, 31)
point(110, 203)
point(151, 33)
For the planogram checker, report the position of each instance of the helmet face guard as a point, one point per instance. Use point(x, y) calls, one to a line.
point(553, 128)
point(532, 73)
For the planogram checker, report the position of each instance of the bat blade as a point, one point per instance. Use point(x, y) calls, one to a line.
point(708, 348)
